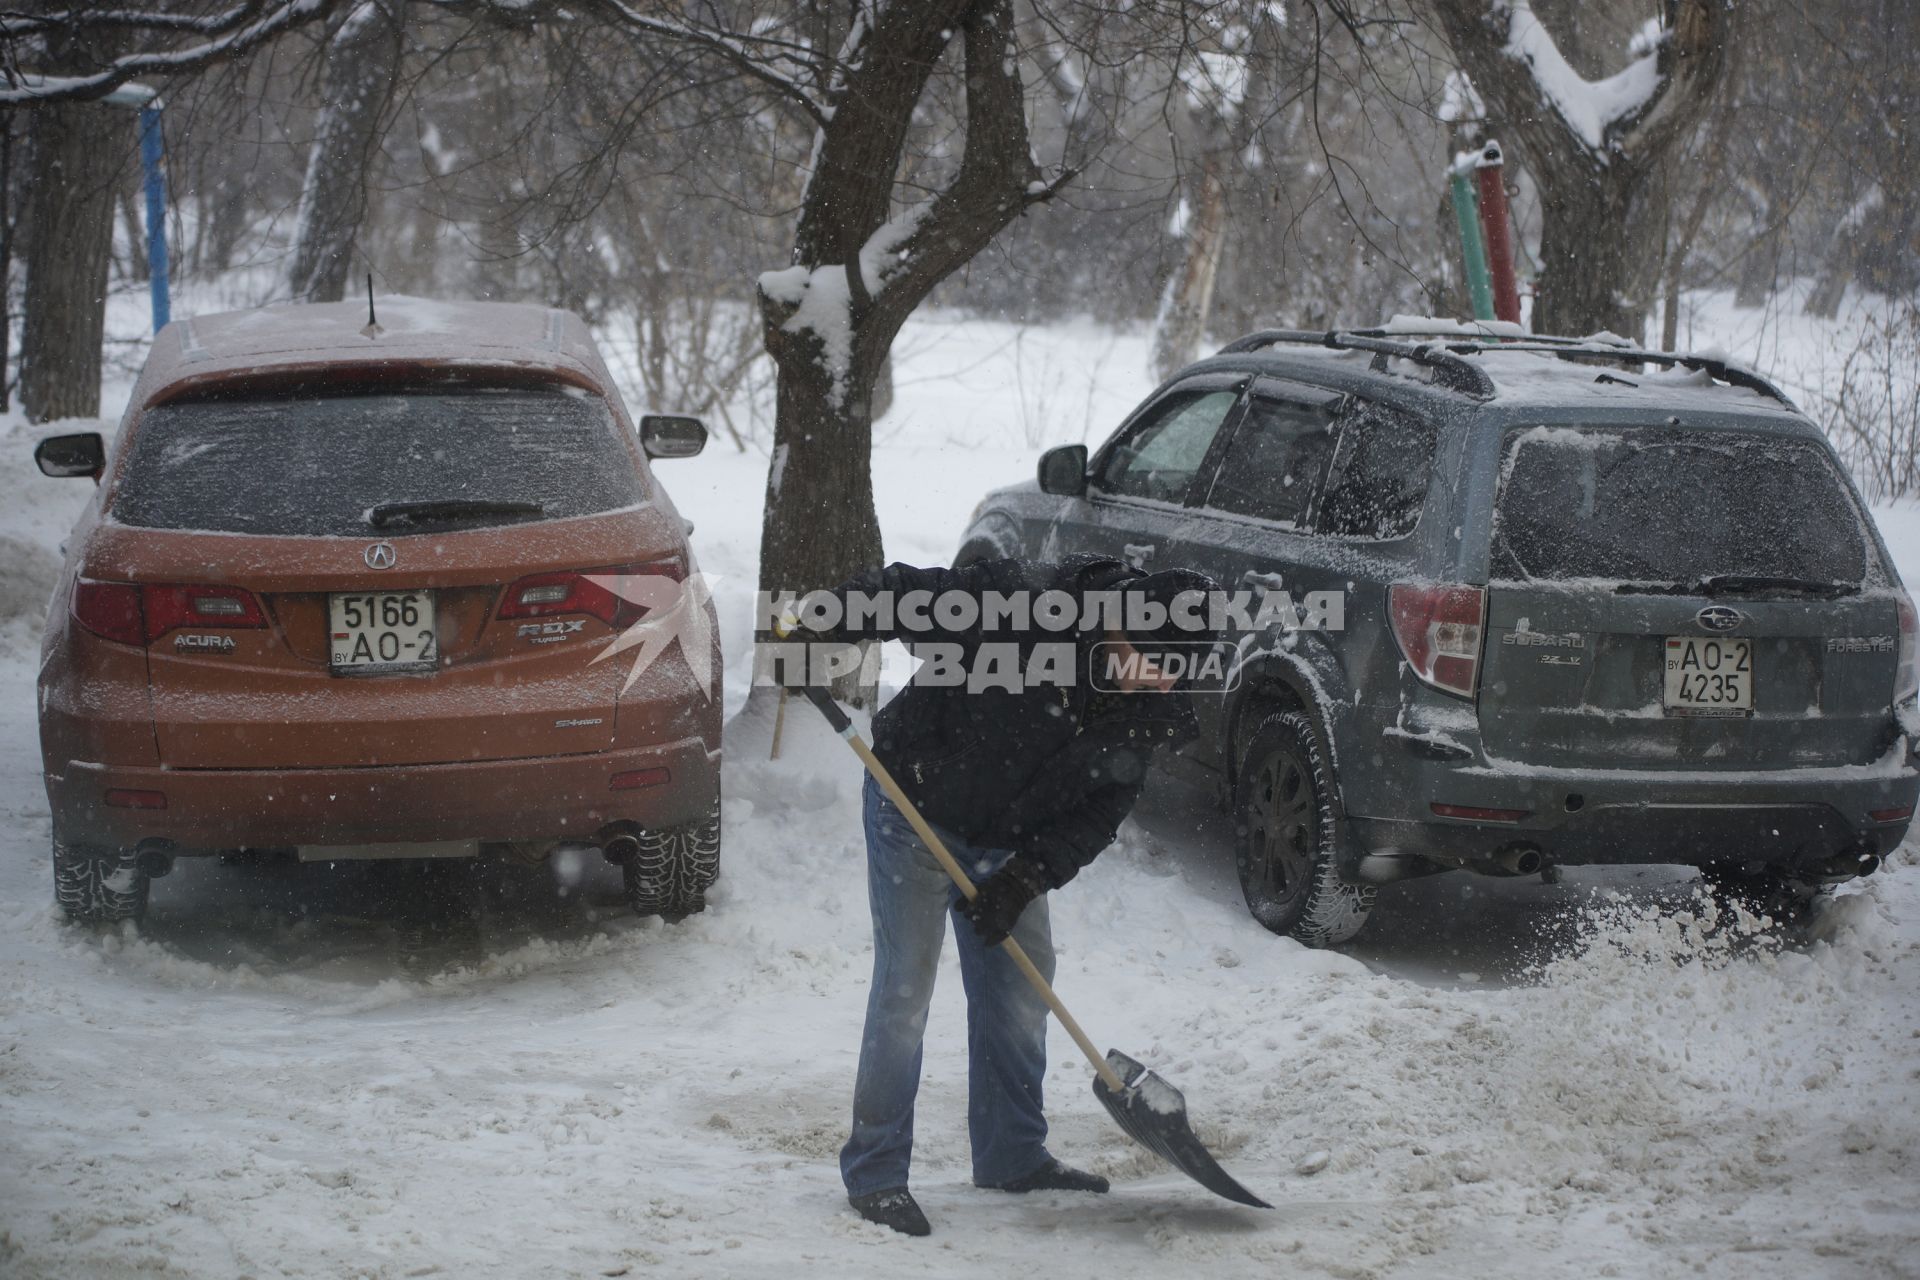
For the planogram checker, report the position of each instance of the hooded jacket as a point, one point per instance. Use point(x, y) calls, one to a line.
point(1049, 770)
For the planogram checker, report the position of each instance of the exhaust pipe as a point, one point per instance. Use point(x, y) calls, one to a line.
point(618, 845)
point(1519, 859)
point(1511, 860)
point(1855, 860)
point(154, 858)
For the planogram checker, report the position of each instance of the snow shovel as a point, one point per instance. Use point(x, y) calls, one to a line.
point(1151, 1112)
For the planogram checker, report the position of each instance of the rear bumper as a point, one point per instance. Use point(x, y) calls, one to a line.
point(1789, 817)
point(546, 798)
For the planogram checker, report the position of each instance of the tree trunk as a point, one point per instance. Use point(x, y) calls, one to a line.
point(135, 223)
point(78, 151)
point(819, 527)
point(1592, 275)
point(1189, 295)
point(1759, 269)
point(1830, 291)
point(362, 68)
point(8, 221)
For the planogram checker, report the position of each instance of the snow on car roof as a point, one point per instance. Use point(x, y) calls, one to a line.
point(1543, 378)
point(1532, 377)
point(295, 336)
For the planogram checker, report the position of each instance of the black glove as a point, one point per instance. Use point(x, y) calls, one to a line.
point(1002, 896)
point(795, 674)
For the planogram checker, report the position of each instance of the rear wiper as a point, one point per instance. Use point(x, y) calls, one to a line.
point(392, 513)
point(1736, 583)
point(1721, 583)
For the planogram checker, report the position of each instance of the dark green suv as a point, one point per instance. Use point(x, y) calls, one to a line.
point(1597, 605)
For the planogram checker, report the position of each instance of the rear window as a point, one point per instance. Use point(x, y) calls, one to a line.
point(1676, 508)
point(392, 462)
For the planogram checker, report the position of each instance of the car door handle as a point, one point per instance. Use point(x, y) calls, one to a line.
point(1271, 581)
point(1137, 553)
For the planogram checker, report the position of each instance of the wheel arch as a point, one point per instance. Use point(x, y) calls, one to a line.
point(1275, 681)
point(994, 536)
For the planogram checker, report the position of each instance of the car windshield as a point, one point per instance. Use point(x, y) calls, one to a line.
point(394, 461)
point(1688, 509)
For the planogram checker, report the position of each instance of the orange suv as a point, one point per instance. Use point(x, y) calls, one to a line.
point(341, 591)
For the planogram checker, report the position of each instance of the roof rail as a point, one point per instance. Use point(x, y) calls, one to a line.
point(1450, 370)
point(1726, 371)
point(1451, 348)
point(1474, 331)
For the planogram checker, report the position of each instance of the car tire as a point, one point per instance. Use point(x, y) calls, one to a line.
point(670, 873)
point(98, 885)
point(1289, 834)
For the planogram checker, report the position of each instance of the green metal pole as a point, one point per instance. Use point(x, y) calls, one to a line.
point(1473, 249)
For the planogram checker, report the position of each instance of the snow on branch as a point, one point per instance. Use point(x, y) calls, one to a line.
point(18, 88)
point(1589, 107)
point(14, 25)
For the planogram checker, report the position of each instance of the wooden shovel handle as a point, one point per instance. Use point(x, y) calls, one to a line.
point(844, 727)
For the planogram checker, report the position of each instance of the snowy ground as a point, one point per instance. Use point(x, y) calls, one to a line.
point(1501, 1079)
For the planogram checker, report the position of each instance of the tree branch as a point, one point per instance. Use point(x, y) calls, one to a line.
point(280, 16)
point(998, 178)
point(14, 25)
point(735, 48)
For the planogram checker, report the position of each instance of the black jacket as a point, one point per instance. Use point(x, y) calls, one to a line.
point(1048, 771)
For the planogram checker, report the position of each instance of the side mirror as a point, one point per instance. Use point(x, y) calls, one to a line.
point(665, 436)
point(1064, 470)
point(84, 454)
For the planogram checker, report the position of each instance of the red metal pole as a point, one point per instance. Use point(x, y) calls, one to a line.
point(1494, 222)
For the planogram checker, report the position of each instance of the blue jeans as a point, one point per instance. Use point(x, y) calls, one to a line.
point(1006, 1019)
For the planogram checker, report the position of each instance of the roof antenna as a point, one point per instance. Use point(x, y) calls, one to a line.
point(373, 329)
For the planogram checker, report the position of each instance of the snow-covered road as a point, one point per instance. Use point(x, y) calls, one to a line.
point(1502, 1079)
point(243, 1090)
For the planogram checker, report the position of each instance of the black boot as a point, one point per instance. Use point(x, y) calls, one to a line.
point(893, 1208)
point(1054, 1176)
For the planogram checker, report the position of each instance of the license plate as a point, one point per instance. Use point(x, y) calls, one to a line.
point(1707, 677)
point(382, 631)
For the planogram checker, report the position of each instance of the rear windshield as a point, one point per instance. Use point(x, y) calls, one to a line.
point(1669, 507)
point(393, 462)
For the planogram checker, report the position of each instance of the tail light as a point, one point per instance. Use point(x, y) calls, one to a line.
point(1905, 681)
point(1439, 626)
point(132, 614)
point(169, 608)
point(543, 595)
point(111, 610)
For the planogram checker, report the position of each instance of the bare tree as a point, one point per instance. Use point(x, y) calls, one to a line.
point(76, 154)
point(1878, 83)
point(859, 269)
point(1595, 150)
point(362, 71)
point(1210, 119)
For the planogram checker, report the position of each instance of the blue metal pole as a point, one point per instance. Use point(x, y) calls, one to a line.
point(153, 160)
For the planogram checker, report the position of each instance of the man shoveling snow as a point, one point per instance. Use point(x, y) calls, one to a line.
point(1026, 781)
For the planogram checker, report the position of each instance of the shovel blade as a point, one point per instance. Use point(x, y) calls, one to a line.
point(1154, 1114)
